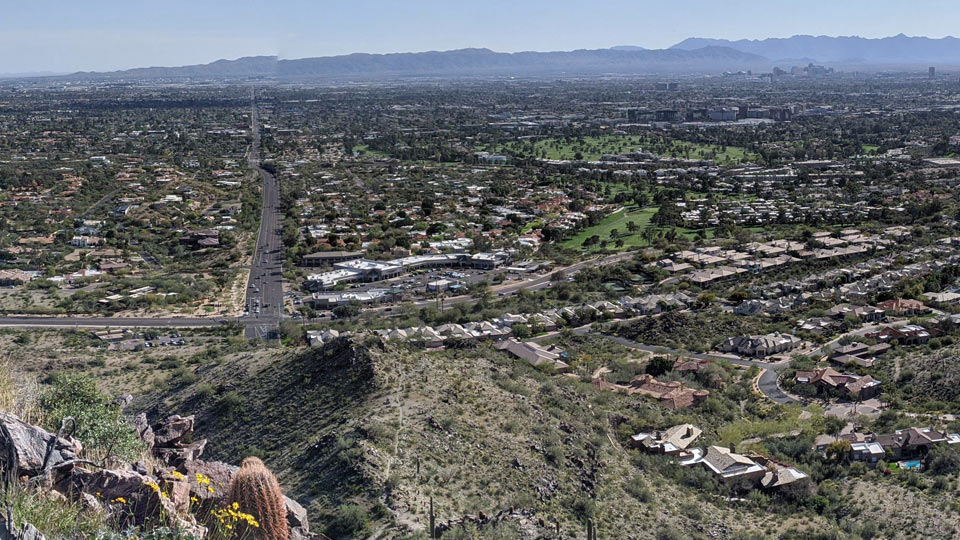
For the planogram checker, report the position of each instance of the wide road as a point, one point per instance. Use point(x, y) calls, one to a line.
point(264, 298)
point(27, 321)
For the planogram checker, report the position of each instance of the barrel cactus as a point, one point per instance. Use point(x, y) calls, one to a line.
point(255, 490)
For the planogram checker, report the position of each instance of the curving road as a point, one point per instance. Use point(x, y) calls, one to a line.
point(768, 377)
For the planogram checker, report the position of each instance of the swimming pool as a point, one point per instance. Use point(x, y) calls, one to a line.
point(915, 464)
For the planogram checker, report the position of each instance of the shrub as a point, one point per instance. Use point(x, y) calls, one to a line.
point(230, 405)
point(255, 490)
point(101, 426)
point(638, 489)
point(350, 521)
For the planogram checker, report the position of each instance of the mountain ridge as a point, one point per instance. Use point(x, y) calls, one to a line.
point(899, 49)
point(460, 62)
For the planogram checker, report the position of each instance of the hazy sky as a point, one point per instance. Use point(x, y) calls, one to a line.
point(71, 35)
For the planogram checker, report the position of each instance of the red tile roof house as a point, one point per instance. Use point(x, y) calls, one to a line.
point(830, 381)
point(671, 394)
point(904, 306)
point(910, 334)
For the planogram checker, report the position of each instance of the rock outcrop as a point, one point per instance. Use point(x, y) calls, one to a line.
point(176, 489)
point(37, 450)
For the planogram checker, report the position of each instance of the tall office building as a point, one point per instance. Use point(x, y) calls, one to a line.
point(932, 73)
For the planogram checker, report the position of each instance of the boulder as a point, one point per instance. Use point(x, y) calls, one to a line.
point(297, 519)
point(90, 503)
point(144, 431)
point(179, 488)
point(29, 532)
point(217, 476)
point(31, 443)
point(132, 499)
point(123, 401)
point(175, 457)
point(174, 429)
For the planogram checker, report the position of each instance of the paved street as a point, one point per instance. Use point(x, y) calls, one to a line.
point(264, 296)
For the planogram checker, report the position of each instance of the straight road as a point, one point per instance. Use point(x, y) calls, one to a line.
point(264, 297)
point(105, 322)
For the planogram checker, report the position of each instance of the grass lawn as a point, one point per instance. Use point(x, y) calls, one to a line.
point(870, 148)
point(592, 148)
point(618, 220)
point(364, 150)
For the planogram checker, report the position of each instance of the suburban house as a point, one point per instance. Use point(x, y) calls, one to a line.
point(535, 354)
point(828, 380)
point(761, 346)
point(942, 298)
point(672, 442)
point(777, 478)
point(901, 444)
point(904, 306)
point(867, 452)
point(913, 442)
point(910, 334)
point(671, 394)
point(732, 467)
point(859, 354)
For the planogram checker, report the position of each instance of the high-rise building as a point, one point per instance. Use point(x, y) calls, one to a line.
point(932, 73)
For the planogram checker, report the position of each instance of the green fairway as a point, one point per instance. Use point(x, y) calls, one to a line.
point(641, 217)
point(618, 221)
point(364, 150)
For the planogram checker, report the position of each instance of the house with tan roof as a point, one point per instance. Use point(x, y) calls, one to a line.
point(732, 467)
point(673, 442)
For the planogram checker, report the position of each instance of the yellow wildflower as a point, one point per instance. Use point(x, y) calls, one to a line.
point(120, 500)
point(177, 475)
point(210, 489)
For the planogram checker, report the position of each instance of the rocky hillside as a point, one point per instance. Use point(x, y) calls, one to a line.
point(495, 443)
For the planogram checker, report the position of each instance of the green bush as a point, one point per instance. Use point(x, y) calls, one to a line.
point(351, 521)
point(637, 488)
point(101, 426)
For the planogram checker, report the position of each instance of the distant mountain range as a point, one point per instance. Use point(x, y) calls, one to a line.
point(894, 50)
point(460, 63)
point(691, 56)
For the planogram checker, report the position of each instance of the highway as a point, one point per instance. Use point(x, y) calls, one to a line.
point(264, 296)
point(27, 321)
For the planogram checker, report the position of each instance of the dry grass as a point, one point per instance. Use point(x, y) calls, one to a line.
point(19, 393)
